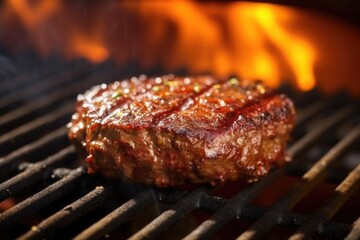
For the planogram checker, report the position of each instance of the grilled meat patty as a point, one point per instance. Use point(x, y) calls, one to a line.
point(171, 130)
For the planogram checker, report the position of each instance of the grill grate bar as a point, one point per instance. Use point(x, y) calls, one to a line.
point(68, 214)
point(27, 130)
point(10, 161)
point(215, 204)
point(169, 217)
point(33, 173)
point(19, 81)
point(308, 181)
point(118, 216)
point(36, 73)
point(310, 111)
point(46, 101)
point(32, 107)
point(37, 89)
point(238, 202)
point(300, 168)
point(42, 198)
point(230, 210)
point(317, 131)
point(329, 209)
point(355, 232)
point(289, 219)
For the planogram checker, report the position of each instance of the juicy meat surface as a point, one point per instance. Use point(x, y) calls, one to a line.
point(172, 130)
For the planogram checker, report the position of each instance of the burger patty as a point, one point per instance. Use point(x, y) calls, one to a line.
point(172, 130)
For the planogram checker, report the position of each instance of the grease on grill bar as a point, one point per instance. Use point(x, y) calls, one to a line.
point(52, 194)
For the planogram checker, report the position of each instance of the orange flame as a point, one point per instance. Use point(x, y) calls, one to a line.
point(33, 15)
point(262, 26)
point(89, 48)
point(253, 40)
point(300, 54)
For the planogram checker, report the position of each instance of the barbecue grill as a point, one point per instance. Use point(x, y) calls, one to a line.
point(51, 195)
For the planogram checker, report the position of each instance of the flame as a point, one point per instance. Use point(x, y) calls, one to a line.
point(32, 15)
point(300, 54)
point(49, 31)
point(89, 48)
point(253, 40)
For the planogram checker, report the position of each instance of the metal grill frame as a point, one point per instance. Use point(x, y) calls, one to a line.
point(23, 115)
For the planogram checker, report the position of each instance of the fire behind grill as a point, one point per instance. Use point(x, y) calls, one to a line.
point(51, 196)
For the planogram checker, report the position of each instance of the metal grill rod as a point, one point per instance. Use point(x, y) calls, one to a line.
point(289, 219)
point(10, 161)
point(170, 217)
point(16, 82)
point(299, 168)
point(309, 180)
point(68, 214)
point(117, 217)
point(310, 111)
point(67, 75)
point(25, 78)
point(66, 92)
point(318, 130)
point(233, 208)
point(329, 209)
point(355, 232)
point(208, 227)
point(33, 173)
point(42, 198)
point(36, 125)
point(38, 104)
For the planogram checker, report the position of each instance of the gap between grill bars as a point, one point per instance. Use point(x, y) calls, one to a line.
point(40, 157)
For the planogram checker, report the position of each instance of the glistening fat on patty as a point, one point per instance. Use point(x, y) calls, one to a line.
point(171, 130)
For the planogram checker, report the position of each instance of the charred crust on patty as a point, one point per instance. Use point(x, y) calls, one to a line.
point(171, 130)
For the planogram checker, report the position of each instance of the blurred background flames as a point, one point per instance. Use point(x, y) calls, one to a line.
point(252, 40)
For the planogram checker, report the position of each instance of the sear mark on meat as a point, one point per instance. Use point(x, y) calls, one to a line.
point(171, 130)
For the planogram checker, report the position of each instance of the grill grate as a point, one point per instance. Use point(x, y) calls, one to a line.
point(40, 170)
